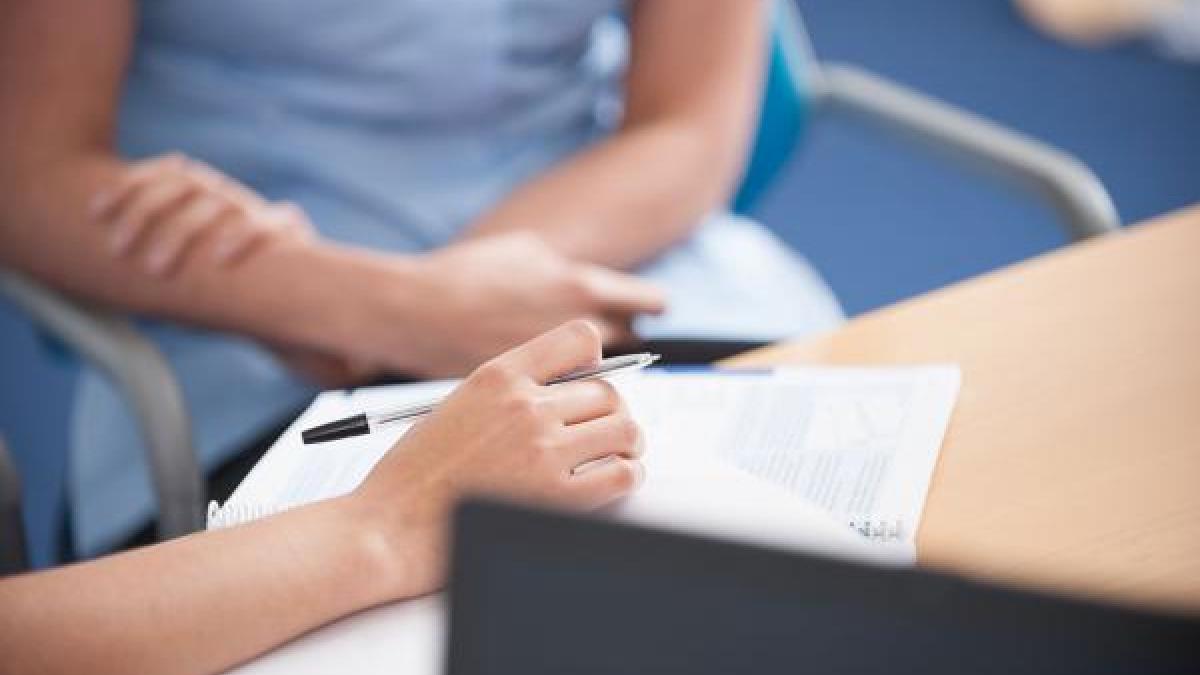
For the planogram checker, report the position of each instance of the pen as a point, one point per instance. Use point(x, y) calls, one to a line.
point(364, 423)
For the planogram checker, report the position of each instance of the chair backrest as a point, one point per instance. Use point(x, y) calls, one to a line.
point(788, 94)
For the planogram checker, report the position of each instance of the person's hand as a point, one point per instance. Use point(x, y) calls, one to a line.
point(1092, 21)
point(486, 295)
point(165, 209)
point(503, 433)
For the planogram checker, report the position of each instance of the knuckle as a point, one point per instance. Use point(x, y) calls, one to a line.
point(522, 408)
point(494, 374)
point(544, 449)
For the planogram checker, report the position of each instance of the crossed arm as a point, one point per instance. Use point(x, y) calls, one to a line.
point(62, 65)
point(691, 97)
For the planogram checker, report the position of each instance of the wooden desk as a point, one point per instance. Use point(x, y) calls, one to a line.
point(1072, 461)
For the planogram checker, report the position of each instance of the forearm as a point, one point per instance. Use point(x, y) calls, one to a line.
point(199, 604)
point(628, 198)
point(308, 294)
point(692, 92)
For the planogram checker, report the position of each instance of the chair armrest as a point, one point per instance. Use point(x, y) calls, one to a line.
point(13, 557)
point(1070, 186)
point(137, 369)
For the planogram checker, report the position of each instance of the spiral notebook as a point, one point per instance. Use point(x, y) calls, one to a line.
point(834, 461)
point(857, 444)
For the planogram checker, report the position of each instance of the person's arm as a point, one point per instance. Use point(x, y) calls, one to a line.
point(1174, 25)
point(691, 102)
point(61, 70)
point(198, 604)
point(206, 602)
point(1094, 22)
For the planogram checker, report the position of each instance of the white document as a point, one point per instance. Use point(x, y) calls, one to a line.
point(859, 443)
point(780, 460)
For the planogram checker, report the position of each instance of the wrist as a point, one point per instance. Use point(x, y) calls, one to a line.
point(351, 300)
point(400, 319)
point(402, 558)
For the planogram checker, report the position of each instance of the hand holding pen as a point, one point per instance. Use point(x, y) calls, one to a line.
point(365, 423)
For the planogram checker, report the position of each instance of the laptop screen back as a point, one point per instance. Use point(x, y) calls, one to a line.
point(536, 593)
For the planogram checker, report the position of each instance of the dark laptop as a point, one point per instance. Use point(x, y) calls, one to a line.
point(535, 592)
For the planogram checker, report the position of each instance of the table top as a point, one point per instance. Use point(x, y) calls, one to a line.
point(1072, 461)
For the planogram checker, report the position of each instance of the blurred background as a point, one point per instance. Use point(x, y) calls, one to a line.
point(881, 222)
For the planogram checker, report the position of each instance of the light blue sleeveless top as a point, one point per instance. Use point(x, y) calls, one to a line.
point(394, 124)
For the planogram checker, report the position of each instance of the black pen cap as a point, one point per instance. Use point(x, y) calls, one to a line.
point(343, 428)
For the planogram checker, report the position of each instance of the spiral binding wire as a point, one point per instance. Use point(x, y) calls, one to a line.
point(239, 514)
point(875, 529)
point(879, 529)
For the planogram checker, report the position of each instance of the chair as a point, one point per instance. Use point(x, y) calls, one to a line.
point(140, 373)
point(797, 87)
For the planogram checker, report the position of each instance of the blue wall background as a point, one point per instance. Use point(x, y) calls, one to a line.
point(881, 222)
point(884, 223)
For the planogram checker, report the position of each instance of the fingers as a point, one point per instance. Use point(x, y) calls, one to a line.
point(617, 293)
point(605, 481)
point(282, 219)
point(172, 241)
point(169, 205)
point(235, 192)
point(108, 203)
point(292, 219)
point(572, 346)
point(238, 240)
point(138, 209)
point(611, 435)
point(575, 402)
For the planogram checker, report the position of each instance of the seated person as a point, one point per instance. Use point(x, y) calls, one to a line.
point(502, 148)
point(203, 603)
